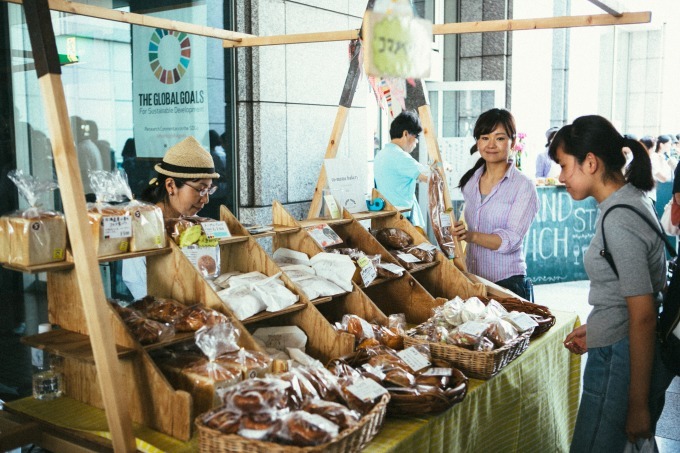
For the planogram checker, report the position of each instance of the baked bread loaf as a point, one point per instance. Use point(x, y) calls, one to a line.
point(393, 238)
point(305, 429)
point(4, 240)
point(223, 419)
point(33, 239)
point(106, 243)
point(148, 228)
point(165, 310)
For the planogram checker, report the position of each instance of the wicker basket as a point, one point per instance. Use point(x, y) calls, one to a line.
point(425, 403)
point(350, 440)
point(542, 314)
point(475, 364)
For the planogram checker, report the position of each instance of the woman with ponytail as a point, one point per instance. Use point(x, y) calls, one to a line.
point(624, 382)
point(500, 204)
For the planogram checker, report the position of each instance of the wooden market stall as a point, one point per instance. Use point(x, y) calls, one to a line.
point(100, 355)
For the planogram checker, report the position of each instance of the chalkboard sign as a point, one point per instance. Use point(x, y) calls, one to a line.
point(559, 237)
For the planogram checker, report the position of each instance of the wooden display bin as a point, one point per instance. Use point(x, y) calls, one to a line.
point(441, 280)
point(384, 296)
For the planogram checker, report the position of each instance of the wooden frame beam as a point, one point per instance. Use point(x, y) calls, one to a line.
point(140, 19)
point(613, 7)
point(459, 28)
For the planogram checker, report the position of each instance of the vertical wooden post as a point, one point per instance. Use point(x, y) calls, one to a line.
point(86, 265)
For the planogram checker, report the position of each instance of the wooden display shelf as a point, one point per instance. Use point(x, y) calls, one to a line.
point(423, 266)
point(368, 215)
point(68, 344)
point(313, 222)
point(233, 239)
point(323, 300)
point(277, 229)
point(273, 314)
point(68, 263)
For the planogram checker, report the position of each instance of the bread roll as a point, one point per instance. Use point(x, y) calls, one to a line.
point(36, 239)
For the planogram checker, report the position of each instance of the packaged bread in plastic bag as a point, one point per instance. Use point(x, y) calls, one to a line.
point(440, 218)
point(34, 235)
point(111, 224)
point(148, 227)
point(206, 378)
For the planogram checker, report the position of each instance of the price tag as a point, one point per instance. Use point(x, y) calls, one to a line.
point(333, 209)
point(438, 372)
point(473, 328)
point(367, 389)
point(118, 226)
point(216, 230)
point(395, 269)
point(426, 246)
point(368, 272)
point(445, 220)
point(413, 358)
point(408, 258)
point(324, 235)
point(522, 321)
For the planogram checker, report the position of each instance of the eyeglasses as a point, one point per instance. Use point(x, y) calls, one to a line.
point(205, 191)
point(414, 135)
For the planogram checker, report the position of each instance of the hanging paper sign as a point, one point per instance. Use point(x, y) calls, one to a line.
point(346, 181)
point(397, 45)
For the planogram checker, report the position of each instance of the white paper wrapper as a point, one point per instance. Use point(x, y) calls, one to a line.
point(335, 267)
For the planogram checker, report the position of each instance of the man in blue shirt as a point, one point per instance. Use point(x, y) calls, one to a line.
point(396, 171)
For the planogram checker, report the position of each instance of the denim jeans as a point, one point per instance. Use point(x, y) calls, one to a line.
point(601, 420)
point(519, 285)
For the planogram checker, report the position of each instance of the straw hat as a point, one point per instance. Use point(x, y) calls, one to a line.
point(188, 160)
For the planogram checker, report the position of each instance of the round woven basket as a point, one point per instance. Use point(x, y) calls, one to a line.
point(430, 402)
point(540, 313)
point(352, 439)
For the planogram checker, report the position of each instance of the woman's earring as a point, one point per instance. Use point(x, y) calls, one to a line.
point(172, 193)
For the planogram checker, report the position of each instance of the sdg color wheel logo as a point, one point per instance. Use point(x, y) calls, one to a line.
point(169, 55)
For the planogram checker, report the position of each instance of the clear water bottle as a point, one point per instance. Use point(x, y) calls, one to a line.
point(48, 381)
point(47, 377)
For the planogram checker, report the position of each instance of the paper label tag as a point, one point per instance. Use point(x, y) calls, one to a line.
point(123, 246)
point(413, 358)
point(367, 389)
point(324, 235)
point(216, 230)
point(426, 246)
point(408, 258)
point(58, 254)
point(158, 240)
point(522, 321)
point(333, 209)
point(392, 268)
point(438, 372)
point(119, 226)
point(445, 220)
point(368, 273)
point(473, 328)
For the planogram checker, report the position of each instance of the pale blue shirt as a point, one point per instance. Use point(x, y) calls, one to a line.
point(396, 175)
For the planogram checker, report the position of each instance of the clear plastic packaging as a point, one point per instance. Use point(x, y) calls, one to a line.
point(440, 219)
point(393, 238)
point(35, 235)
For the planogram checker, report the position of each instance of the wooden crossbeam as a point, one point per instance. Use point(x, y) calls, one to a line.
point(89, 280)
point(140, 19)
point(460, 28)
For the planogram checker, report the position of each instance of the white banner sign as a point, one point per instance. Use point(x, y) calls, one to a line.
point(170, 86)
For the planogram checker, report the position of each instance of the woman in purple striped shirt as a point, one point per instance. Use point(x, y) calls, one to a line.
point(500, 204)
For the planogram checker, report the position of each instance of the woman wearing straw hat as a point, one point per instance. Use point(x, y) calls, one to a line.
point(181, 187)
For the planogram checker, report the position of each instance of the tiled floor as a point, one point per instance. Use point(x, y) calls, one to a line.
point(573, 296)
point(15, 362)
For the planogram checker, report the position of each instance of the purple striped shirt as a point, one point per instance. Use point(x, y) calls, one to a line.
point(507, 211)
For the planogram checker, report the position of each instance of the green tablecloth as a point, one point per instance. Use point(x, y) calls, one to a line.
point(530, 406)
